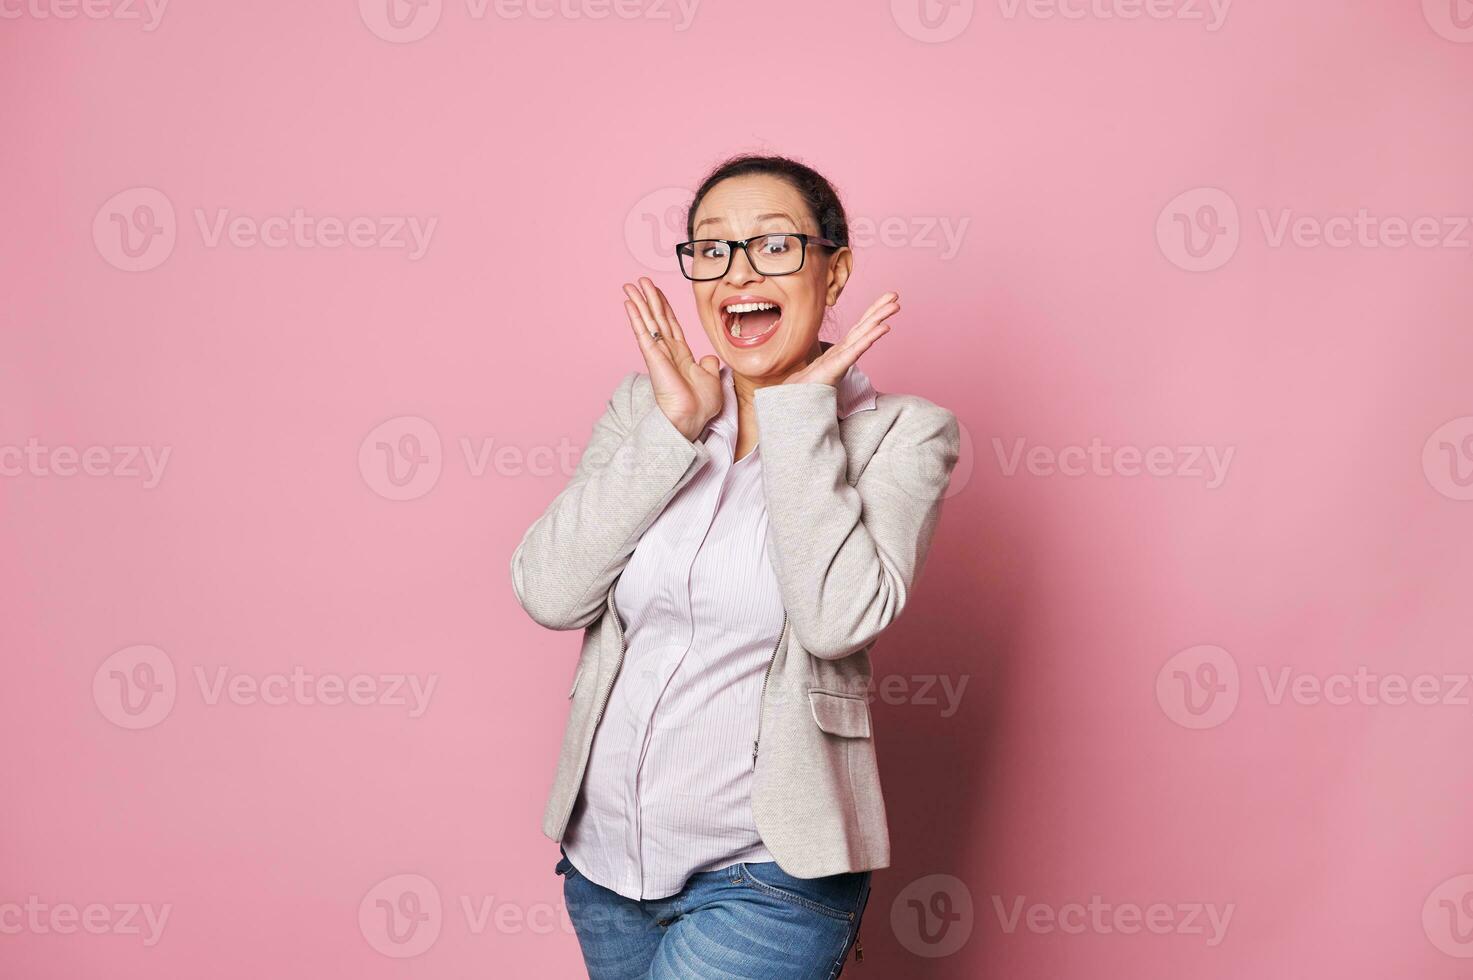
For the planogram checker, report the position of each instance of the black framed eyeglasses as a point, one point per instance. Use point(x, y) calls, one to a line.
point(775, 255)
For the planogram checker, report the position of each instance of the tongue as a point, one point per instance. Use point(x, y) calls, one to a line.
point(756, 324)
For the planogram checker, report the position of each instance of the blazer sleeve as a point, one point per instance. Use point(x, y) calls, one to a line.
point(846, 556)
point(566, 562)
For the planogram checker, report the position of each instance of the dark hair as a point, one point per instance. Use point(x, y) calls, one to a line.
point(820, 196)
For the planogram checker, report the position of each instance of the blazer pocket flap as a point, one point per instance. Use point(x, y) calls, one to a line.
point(840, 714)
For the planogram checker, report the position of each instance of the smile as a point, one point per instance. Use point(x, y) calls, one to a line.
point(750, 320)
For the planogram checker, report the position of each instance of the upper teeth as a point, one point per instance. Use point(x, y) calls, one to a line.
point(750, 307)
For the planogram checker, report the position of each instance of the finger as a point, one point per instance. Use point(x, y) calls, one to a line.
point(646, 315)
point(885, 300)
point(656, 358)
point(886, 306)
point(641, 306)
point(877, 315)
point(665, 321)
point(890, 297)
point(844, 357)
point(663, 308)
point(880, 311)
point(838, 358)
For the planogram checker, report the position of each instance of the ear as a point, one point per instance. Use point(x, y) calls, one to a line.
point(841, 263)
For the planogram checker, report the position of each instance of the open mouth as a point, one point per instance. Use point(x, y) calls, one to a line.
point(750, 320)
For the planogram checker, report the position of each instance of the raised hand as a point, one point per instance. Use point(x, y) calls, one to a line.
point(687, 391)
point(830, 366)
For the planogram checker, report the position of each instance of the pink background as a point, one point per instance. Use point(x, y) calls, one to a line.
point(551, 152)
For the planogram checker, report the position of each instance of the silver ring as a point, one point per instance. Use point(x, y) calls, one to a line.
point(656, 335)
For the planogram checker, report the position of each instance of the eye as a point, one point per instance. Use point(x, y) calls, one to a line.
point(774, 245)
point(713, 250)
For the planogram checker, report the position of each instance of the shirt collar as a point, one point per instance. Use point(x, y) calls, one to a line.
point(854, 393)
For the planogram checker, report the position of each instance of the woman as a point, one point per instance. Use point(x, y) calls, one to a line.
point(717, 798)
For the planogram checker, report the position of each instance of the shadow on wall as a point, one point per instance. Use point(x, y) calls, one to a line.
point(947, 663)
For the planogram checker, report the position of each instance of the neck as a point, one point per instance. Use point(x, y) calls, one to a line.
point(747, 387)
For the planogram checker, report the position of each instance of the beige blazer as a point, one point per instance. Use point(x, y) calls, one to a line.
point(852, 506)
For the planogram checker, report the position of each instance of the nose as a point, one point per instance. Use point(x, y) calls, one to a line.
point(740, 272)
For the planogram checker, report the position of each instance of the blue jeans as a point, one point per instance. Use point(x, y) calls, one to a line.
point(743, 922)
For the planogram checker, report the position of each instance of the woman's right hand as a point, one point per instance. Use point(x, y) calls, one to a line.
point(688, 391)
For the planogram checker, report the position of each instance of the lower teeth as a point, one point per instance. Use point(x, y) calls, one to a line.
point(735, 327)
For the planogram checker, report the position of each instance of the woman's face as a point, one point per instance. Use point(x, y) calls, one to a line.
point(771, 343)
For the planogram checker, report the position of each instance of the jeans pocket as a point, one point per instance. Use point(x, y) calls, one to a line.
point(836, 896)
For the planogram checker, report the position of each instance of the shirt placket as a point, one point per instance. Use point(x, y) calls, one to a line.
point(703, 514)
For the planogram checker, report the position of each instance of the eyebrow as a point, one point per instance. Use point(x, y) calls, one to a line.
point(760, 217)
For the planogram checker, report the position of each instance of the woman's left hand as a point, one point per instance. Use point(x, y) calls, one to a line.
point(830, 366)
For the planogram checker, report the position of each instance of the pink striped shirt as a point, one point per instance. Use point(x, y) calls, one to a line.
point(667, 792)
